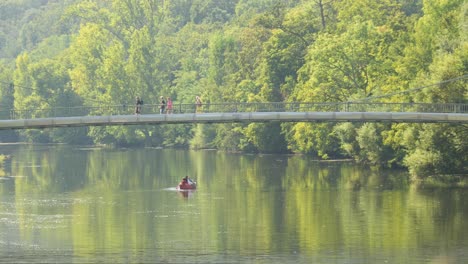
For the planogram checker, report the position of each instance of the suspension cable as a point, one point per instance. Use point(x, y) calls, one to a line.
point(412, 90)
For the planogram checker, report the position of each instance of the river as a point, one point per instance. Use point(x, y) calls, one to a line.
point(68, 204)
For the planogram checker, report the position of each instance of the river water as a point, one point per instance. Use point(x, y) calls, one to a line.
point(63, 204)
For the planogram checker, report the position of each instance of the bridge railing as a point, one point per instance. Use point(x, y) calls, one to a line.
point(231, 108)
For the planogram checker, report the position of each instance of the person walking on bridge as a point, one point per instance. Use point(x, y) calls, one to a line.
point(162, 105)
point(169, 105)
point(198, 104)
point(138, 103)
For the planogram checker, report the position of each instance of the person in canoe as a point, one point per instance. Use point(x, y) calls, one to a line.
point(187, 183)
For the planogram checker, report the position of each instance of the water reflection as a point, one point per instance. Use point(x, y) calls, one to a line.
point(186, 193)
point(95, 205)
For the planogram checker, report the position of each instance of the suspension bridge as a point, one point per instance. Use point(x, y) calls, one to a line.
point(234, 113)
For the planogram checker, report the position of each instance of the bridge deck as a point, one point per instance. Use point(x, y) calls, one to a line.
point(246, 117)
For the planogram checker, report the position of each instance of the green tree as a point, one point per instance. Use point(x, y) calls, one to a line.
point(212, 11)
point(440, 29)
point(347, 134)
point(203, 136)
point(371, 145)
point(438, 149)
point(6, 101)
point(223, 68)
point(318, 140)
point(267, 138)
point(193, 60)
point(438, 53)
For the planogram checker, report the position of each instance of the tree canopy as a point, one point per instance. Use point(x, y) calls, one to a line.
point(99, 52)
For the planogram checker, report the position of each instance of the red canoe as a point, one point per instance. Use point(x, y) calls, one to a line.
point(187, 185)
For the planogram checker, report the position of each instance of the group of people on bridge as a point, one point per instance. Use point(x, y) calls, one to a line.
point(165, 105)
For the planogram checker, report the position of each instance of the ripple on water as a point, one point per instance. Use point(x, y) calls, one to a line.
point(37, 214)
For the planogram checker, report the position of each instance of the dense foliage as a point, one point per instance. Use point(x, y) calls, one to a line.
point(97, 52)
